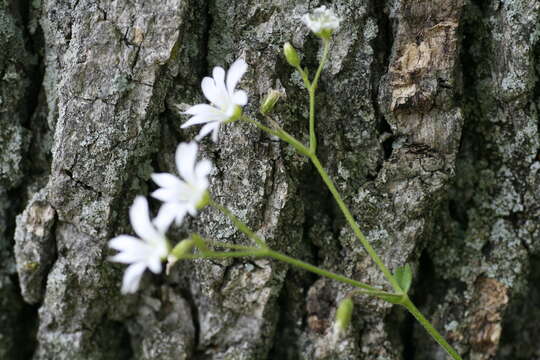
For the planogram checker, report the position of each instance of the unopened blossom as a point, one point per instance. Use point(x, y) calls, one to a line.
point(186, 194)
point(225, 101)
point(141, 253)
point(322, 22)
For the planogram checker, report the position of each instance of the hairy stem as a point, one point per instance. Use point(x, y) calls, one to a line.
point(328, 274)
point(356, 229)
point(311, 90)
point(265, 251)
point(430, 329)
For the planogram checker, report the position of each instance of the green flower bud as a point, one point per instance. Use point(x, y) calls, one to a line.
point(182, 248)
point(343, 315)
point(270, 101)
point(291, 55)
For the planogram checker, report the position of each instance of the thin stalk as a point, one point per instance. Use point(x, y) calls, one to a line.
point(304, 77)
point(328, 274)
point(224, 255)
point(430, 329)
point(350, 219)
point(315, 160)
point(280, 133)
point(229, 246)
point(265, 251)
point(326, 47)
point(311, 91)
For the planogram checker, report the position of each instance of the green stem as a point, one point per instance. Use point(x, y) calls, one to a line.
point(304, 77)
point(315, 160)
point(223, 255)
point(430, 329)
point(229, 246)
point(354, 225)
point(280, 133)
point(311, 91)
point(326, 47)
point(328, 274)
point(239, 224)
point(265, 251)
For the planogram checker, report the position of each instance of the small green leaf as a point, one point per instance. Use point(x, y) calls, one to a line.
point(403, 276)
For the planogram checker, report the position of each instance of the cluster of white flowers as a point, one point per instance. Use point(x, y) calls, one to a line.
point(180, 195)
point(189, 193)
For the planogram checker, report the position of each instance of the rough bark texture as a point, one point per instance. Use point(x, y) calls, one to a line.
point(427, 122)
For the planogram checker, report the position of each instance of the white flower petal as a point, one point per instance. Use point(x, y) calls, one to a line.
point(154, 264)
point(202, 169)
point(191, 209)
point(122, 242)
point(219, 76)
point(235, 73)
point(131, 249)
point(201, 119)
point(185, 157)
point(167, 195)
point(212, 92)
point(140, 219)
point(240, 98)
point(180, 215)
point(166, 180)
point(132, 256)
point(132, 277)
point(214, 134)
point(206, 129)
point(168, 213)
point(201, 109)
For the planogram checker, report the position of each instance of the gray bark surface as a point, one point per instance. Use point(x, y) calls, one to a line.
point(427, 121)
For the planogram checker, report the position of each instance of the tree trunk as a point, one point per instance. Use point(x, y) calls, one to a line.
point(427, 121)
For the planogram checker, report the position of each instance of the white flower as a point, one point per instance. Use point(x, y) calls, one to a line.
point(322, 21)
point(182, 196)
point(146, 252)
point(226, 101)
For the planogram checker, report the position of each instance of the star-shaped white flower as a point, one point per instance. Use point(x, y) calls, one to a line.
point(226, 101)
point(186, 195)
point(322, 21)
point(146, 252)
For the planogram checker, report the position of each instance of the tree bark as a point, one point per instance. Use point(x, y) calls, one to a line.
point(427, 121)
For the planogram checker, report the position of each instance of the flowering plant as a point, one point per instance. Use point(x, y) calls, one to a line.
point(189, 193)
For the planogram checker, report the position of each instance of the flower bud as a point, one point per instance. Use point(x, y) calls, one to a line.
point(291, 55)
point(182, 248)
point(270, 101)
point(343, 315)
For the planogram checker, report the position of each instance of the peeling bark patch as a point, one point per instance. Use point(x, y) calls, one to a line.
point(488, 306)
point(413, 76)
point(35, 250)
